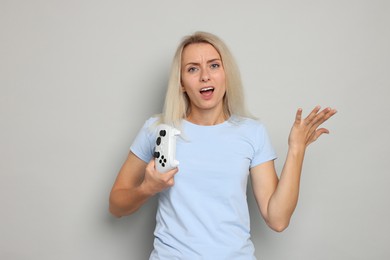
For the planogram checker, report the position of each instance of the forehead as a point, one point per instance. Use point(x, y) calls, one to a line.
point(199, 51)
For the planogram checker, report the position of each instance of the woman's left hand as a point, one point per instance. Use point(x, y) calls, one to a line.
point(306, 131)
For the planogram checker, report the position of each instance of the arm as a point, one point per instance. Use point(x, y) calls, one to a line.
point(136, 182)
point(276, 198)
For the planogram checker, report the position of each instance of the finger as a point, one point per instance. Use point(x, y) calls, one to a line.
point(151, 165)
point(319, 119)
point(171, 173)
point(312, 114)
point(169, 176)
point(152, 162)
point(323, 116)
point(171, 182)
point(317, 134)
point(298, 116)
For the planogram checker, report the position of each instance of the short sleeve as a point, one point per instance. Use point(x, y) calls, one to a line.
point(143, 144)
point(263, 150)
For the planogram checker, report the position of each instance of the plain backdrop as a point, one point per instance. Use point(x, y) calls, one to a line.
point(78, 78)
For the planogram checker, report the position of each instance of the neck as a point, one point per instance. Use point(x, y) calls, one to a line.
point(207, 118)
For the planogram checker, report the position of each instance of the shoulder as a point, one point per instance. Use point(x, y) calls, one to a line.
point(151, 123)
point(149, 127)
point(153, 120)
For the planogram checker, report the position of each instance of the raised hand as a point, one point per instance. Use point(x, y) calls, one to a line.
point(306, 131)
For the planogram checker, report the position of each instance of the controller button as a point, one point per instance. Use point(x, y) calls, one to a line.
point(158, 140)
point(156, 154)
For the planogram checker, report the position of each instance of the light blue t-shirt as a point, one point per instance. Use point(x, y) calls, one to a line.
point(205, 214)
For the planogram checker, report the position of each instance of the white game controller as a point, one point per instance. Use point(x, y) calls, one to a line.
point(165, 150)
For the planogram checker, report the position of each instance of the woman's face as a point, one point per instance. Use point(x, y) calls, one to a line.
point(203, 77)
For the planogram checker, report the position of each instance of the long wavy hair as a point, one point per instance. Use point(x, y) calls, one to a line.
point(177, 103)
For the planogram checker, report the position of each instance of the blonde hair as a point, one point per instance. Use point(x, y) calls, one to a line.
point(177, 103)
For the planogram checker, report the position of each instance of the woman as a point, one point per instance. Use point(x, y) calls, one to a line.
point(202, 208)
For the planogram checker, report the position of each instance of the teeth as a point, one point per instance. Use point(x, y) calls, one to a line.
point(207, 89)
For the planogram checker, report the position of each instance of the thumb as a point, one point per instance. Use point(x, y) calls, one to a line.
point(171, 173)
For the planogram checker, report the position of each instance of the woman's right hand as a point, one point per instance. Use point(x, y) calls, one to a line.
point(136, 182)
point(155, 181)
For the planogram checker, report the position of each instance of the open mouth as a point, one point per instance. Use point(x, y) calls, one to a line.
point(207, 91)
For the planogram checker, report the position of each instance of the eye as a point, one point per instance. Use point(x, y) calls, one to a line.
point(215, 65)
point(192, 69)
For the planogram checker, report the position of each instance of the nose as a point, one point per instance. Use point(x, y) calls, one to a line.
point(204, 77)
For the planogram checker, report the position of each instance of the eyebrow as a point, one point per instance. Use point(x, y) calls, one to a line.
point(209, 61)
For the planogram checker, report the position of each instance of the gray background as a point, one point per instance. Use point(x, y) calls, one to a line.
point(79, 78)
